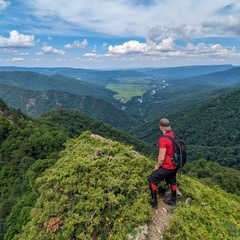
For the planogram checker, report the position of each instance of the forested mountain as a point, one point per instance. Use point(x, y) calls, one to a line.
point(186, 71)
point(74, 123)
point(34, 103)
point(210, 129)
point(228, 77)
point(98, 77)
point(39, 82)
point(101, 76)
point(54, 184)
point(29, 146)
point(182, 92)
point(87, 195)
point(157, 94)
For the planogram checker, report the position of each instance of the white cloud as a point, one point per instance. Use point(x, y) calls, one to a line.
point(173, 30)
point(168, 49)
point(128, 47)
point(211, 50)
point(77, 44)
point(146, 48)
point(17, 40)
point(15, 59)
point(91, 55)
point(23, 54)
point(227, 26)
point(176, 19)
point(4, 4)
point(50, 50)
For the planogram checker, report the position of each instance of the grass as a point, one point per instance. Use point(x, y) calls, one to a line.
point(128, 88)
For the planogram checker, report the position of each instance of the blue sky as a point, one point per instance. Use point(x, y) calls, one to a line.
point(119, 33)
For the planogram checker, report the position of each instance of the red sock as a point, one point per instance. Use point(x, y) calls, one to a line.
point(154, 187)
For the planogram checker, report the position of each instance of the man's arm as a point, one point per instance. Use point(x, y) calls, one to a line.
point(161, 156)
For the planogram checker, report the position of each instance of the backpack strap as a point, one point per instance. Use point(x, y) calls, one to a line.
point(172, 139)
point(169, 137)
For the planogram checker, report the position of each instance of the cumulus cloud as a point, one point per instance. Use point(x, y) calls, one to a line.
point(77, 44)
point(17, 40)
point(173, 30)
point(15, 59)
point(146, 48)
point(91, 55)
point(227, 26)
point(211, 50)
point(128, 47)
point(167, 48)
point(50, 50)
point(4, 4)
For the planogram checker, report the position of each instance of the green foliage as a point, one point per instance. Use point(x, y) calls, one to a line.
point(211, 173)
point(34, 103)
point(74, 123)
point(31, 146)
point(23, 141)
point(210, 129)
point(211, 214)
point(40, 82)
point(97, 189)
point(31, 139)
point(4, 129)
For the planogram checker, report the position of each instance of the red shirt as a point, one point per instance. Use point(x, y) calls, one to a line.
point(167, 143)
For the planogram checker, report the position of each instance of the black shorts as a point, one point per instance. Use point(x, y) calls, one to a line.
point(160, 174)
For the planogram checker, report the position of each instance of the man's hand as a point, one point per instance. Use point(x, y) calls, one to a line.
point(156, 167)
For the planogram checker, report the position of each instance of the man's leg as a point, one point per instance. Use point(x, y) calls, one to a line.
point(153, 189)
point(171, 179)
point(154, 179)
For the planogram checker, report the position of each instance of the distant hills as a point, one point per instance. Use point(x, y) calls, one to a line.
point(99, 76)
point(34, 103)
point(39, 82)
point(186, 71)
point(167, 90)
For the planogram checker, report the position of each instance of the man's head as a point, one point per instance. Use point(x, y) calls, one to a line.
point(164, 124)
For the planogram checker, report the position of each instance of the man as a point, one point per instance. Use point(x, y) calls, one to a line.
point(164, 169)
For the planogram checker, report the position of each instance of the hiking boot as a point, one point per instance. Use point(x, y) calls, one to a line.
point(170, 202)
point(154, 204)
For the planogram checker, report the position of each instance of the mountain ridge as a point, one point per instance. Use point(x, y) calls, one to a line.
point(35, 103)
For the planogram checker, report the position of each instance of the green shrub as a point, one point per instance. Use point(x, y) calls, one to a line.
point(97, 189)
point(211, 214)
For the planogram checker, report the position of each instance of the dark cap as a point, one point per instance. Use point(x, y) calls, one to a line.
point(165, 124)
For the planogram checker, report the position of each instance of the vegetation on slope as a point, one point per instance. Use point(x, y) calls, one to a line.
point(40, 82)
point(22, 144)
point(34, 103)
point(210, 129)
point(212, 173)
point(74, 123)
point(98, 190)
point(29, 146)
point(78, 182)
point(211, 213)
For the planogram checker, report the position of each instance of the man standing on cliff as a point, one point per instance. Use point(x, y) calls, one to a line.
point(165, 168)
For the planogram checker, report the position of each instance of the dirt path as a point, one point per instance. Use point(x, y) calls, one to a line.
point(161, 217)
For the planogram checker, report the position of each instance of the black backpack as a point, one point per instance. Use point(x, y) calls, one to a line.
point(179, 159)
